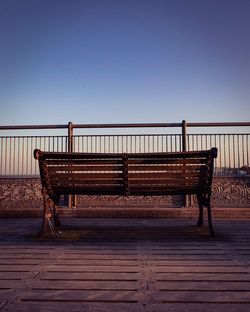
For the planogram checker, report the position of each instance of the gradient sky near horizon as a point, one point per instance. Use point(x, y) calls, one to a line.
point(112, 61)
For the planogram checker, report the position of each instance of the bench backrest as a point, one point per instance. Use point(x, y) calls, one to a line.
point(126, 174)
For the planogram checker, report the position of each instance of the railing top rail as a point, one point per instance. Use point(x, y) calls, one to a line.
point(31, 127)
point(218, 124)
point(127, 125)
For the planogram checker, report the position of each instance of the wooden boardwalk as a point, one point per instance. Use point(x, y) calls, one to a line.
point(125, 265)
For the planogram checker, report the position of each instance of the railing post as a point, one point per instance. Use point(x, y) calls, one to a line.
point(184, 135)
point(70, 149)
point(70, 137)
point(184, 148)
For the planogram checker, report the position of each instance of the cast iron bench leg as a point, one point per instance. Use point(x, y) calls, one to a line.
point(45, 214)
point(200, 204)
point(55, 210)
point(210, 223)
point(209, 212)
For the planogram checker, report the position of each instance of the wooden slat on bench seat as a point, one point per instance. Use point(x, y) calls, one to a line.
point(80, 156)
point(158, 190)
point(162, 175)
point(90, 190)
point(80, 176)
point(166, 183)
point(87, 181)
point(66, 162)
point(163, 167)
point(161, 188)
point(83, 185)
point(166, 160)
point(165, 187)
point(84, 167)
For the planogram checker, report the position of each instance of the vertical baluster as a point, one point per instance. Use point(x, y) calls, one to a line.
point(10, 154)
point(238, 149)
point(247, 147)
point(243, 150)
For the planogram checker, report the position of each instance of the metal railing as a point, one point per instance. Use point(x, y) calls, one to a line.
point(234, 155)
point(16, 152)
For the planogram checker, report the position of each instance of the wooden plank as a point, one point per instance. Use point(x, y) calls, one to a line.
point(11, 284)
point(83, 285)
point(73, 306)
point(90, 276)
point(83, 295)
point(50, 156)
point(190, 257)
point(86, 183)
point(202, 285)
point(164, 175)
point(198, 307)
point(176, 182)
point(203, 296)
point(78, 176)
point(202, 276)
point(21, 261)
point(203, 253)
point(164, 167)
point(157, 190)
point(89, 190)
point(23, 250)
point(161, 245)
point(22, 256)
point(167, 185)
point(7, 294)
point(110, 251)
point(91, 262)
point(123, 256)
point(76, 162)
point(18, 268)
point(92, 268)
point(192, 262)
point(14, 275)
point(84, 167)
point(181, 161)
point(201, 269)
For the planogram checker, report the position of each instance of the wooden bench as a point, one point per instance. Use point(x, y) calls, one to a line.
point(178, 173)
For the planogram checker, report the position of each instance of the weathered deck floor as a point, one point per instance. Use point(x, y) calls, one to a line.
point(125, 265)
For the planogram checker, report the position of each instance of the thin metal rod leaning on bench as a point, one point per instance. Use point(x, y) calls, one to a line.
point(175, 173)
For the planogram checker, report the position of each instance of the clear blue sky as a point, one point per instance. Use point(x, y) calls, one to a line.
point(104, 61)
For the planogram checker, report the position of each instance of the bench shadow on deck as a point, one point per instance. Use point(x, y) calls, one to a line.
point(125, 265)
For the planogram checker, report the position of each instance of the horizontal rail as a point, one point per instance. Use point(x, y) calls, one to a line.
point(31, 127)
point(218, 124)
point(127, 125)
